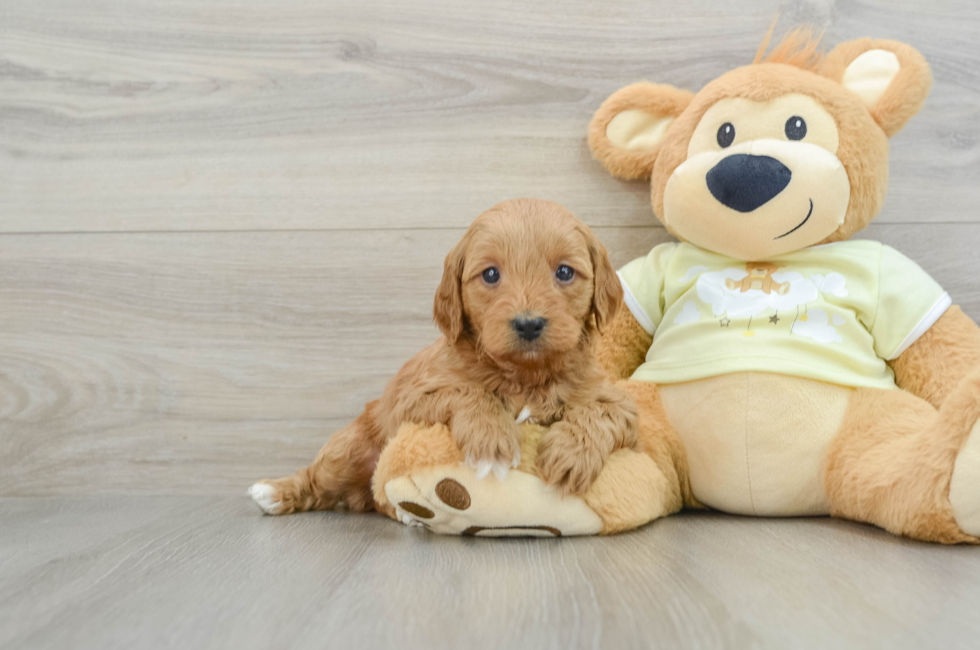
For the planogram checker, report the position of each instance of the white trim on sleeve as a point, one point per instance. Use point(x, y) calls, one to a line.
point(927, 321)
point(634, 306)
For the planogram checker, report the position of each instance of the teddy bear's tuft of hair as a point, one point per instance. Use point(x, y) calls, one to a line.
point(798, 48)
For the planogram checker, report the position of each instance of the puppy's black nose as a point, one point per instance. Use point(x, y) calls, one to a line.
point(744, 182)
point(528, 328)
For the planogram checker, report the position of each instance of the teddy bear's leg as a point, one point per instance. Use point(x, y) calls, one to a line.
point(421, 479)
point(631, 490)
point(415, 447)
point(899, 463)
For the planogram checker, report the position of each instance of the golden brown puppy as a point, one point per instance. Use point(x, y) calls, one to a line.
point(521, 299)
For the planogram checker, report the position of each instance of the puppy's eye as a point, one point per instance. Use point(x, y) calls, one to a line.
point(726, 135)
point(491, 275)
point(795, 128)
point(565, 273)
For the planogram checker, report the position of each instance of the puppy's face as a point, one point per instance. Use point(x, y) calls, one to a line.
point(526, 282)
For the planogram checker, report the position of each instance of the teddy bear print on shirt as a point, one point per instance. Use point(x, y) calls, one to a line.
point(740, 294)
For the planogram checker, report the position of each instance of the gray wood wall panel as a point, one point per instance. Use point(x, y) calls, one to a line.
point(193, 363)
point(140, 115)
point(221, 224)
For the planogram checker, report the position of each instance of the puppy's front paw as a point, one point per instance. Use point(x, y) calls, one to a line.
point(569, 459)
point(499, 468)
point(490, 449)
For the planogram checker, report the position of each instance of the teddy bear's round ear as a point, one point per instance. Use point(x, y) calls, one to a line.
point(891, 79)
point(627, 131)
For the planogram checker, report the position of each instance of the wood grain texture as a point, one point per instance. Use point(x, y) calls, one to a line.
point(194, 363)
point(142, 115)
point(221, 226)
point(194, 572)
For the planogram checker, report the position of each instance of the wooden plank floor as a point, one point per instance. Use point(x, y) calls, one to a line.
point(196, 572)
point(221, 227)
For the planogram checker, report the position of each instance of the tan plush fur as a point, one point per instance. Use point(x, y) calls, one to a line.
point(798, 48)
point(630, 491)
point(936, 363)
point(906, 93)
point(863, 146)
point(480, 374)
point(863, 135)
point(414, 447)
point(660, 100)
point(660, 441)
point(417, 447)
point(632, 342)
point(891, 461)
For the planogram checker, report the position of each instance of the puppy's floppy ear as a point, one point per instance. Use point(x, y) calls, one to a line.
point(892, 79)
point(447, 311)
point(627, 131)
point(607, 292)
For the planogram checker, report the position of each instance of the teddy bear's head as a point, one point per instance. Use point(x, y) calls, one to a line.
point(785, 153)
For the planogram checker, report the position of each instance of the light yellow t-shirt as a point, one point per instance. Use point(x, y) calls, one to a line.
point(834, 312)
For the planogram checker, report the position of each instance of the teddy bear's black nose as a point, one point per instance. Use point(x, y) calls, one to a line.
point(744, 182)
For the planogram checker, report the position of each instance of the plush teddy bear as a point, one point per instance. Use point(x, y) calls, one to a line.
point(779, 368)
point(791, 371)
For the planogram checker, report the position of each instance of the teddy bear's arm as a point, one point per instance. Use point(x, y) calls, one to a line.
point(933, 365)
point(623, 346)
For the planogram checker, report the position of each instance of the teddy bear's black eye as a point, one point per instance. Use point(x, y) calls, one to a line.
point(491, 275)
point(795, 128)
point(726, 135)
point(565, 273)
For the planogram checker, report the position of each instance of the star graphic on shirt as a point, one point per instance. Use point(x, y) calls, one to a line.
point(774, 319)
point(725, 321)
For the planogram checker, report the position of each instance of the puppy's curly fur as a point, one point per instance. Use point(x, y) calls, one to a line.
point(481, 374)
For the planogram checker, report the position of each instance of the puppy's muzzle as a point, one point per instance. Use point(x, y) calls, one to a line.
point(528, 329)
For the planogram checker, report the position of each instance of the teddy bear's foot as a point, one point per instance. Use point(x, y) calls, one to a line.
point(964, 487)
point(451, 500)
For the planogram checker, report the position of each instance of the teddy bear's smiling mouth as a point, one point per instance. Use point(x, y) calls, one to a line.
point(799, 225)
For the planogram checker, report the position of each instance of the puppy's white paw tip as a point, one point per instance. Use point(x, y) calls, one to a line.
point(265, 496)
point(500, 471)
point(483, 469)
